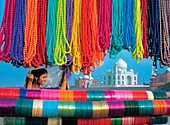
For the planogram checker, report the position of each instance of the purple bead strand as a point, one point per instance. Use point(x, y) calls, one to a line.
point(18, 34)
point(67, 67)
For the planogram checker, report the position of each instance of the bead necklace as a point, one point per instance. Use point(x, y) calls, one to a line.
point(138, 51)
point(98, 57)
point(51, 31)
point(117, 27)
point(69, 11)
point(85, 54)
point(164, 35)
point(30, 38)
point(61, 42)
point(89, 45)
point(144, 20)
point(43, 31)
point(75, 39)
point(153, 30)
point(40, 58)
point(18, 34)
point(168, 15)
point(129, 33)
point(6, 31)
point(104, 10)
point(69, 15)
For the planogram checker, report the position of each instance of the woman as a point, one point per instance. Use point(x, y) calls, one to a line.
point(35, 78)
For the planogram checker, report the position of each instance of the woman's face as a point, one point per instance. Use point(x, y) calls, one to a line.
point(43, 78)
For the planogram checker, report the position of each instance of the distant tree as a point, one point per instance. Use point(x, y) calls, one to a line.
point(146, 83)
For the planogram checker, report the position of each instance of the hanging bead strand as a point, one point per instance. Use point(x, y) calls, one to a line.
point(60, 55)
point(40, 58)
point(6, 31)
point(138, 51)
point(164, 35)
point(75, 39)
point(129, 25)
point(18, 34)
point(69, 13)
point(153, 30)
point(144, 19)
point(30, 38)
point(117, 27)
point(51, 31)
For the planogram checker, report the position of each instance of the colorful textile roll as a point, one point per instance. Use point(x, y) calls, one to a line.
point(7, 107)
point(80, 121)
point(81, 95)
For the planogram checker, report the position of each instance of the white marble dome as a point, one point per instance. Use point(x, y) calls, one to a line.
point(121, 63)
point(131, 70)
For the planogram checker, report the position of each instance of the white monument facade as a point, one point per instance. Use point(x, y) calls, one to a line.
point(120, 75)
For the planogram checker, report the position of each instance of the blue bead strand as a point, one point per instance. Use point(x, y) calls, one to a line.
point(18, 34)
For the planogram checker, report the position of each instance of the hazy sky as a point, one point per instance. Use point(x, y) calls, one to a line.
point(12, 76)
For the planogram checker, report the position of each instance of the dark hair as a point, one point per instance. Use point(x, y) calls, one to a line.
point(39, 72)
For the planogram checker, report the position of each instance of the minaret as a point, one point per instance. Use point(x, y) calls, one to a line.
point(152, 71)
point(90, 81)
point(116, 74)
point(116, 68)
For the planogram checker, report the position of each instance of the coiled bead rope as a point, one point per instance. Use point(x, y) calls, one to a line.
point(75, 39)
point(168, 15)
point(138, 52)
point(40, 57)
point(104, 10)
point(69, 15)
point(164, 35)
point(129, 33)
point(30, 38)
point(69, 10)
point(51, 31)
point(117, 27)
point(98, 57)
point(153, 30)
point(17, 45)
point(6, 31)
point(91, 57)
point(85, 54)
point(144, 19)
point(61, 42)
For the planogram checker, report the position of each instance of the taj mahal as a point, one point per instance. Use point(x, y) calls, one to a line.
point(120, 75)
point(117, 78)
